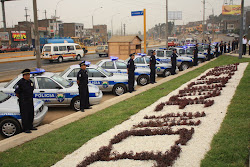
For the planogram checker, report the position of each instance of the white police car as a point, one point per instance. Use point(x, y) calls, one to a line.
point(188, 51)
point(162, 69)
point(164, 56)
point(117, 66)
point(106, 81)
point(10, 119)
point(55, 90)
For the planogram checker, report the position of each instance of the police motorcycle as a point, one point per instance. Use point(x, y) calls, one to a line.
point(10, 117)
point(116, 66)
point(105, 80)
point(162, 69)
point(54, 90)
point(188, 51)
point(164, 56)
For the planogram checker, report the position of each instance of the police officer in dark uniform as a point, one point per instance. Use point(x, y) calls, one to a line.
point(173, 62)
point(196, 55)
point(221, 47)
point(131, 73)
point(209, 52)
point(225, 47)
point(152, 64)
point(82, 81)
point(216, 50)
point(24, 92)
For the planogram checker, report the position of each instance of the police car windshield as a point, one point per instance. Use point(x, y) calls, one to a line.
point(65, 83)
point(3, 97)
point(104, 71)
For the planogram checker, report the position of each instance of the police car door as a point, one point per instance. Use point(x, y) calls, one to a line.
point(109, 66)
point(49, 91)
point(160, 56)
point(168, 55)
point(72, 75)
point(121, 67)
point(140, 62)
point(98, 79)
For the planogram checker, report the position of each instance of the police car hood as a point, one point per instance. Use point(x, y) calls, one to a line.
point(11, 105)
point(92, 88)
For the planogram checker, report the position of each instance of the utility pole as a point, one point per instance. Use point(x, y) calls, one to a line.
point(37, 42)
point(26, 14)
point(241, 29)
point(124, 29)
point(145, 31)
point(203, 27)
point(166, 23)
point(45, 12)
point(4, 18)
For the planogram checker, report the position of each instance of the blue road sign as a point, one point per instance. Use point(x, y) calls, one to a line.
point(136, 13)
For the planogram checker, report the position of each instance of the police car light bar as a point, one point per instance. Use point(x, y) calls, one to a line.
point(143, 54)
point(38, 71)
point(139, 54)
point(113, 58)
point(87, 63)
point(163, 48)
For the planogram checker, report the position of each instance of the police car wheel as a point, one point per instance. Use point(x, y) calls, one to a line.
point(143, 80)
point(78, 57)
point(75, 103)
point(166, 72)
point(119, 89)
point(60, 59)
point(9, 127)
point(184, 66)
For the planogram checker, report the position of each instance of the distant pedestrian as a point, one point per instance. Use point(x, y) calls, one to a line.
point(221, 47)
point(152, 64)
point(24, 92)
point(196, 55)
point(82, 81)
point(173, 62)
point(237, 44)
point(225, 47)
point(131, 73)
point(244, 45)
point(249, 47)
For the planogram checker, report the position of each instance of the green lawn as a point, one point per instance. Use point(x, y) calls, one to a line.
point(52, 147)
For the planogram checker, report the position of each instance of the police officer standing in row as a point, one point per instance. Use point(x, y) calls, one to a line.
point(131, 73)
point(221, 47)
point(152, 64)
point(173, 62)
point(24, 92)
point(82, 81)
point(209, 52)
point(196, 55)
point(216, 50)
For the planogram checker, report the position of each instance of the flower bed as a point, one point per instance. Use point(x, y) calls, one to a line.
point(186, 119)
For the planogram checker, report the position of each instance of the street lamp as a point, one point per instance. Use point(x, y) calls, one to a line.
point(93, 16)
point(213, 20)
point(123, 22)
point(55, 15)
point(112, 22)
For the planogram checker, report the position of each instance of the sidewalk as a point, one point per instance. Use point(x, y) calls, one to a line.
point(237, 55)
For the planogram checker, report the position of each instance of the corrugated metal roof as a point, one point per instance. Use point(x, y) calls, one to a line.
point(123, 38)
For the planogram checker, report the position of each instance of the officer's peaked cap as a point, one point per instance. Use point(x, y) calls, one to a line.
point(132, 54)
point(83, 63)
point(26, 71)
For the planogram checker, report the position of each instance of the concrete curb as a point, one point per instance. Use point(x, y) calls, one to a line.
point(23, 137)
point(237, 55)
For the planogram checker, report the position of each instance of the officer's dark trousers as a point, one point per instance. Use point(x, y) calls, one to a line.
point(195, 60)
point(84, 97)
point(152, 74)
point(131, 81)
point(249, 51)
point(27, 113)
point(244, 49)
point(173, 68)
point(209, 56)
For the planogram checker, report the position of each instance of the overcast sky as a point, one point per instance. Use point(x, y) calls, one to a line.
point(82, 10)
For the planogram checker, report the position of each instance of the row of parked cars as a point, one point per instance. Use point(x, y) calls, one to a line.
point(108, 75)
point(4, 49)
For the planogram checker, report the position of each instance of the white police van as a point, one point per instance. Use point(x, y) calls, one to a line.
point(164, 56)
point(106, 81)
point(117, 66)
point(162, 69)
point(10, 118)
point(55, 90)
point(188, 52)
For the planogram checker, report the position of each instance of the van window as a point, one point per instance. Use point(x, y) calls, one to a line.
point(71, 47)
point(47, 49)
point(62, 48)
point(55, 48)
point(106, 47)
point(78, 47)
